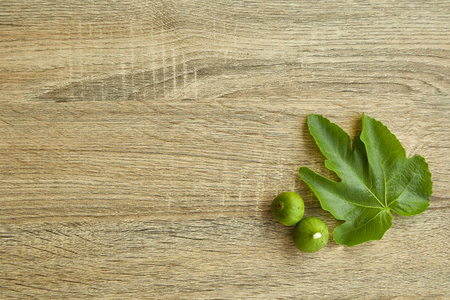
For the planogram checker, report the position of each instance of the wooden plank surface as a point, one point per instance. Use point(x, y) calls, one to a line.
point(142, 142)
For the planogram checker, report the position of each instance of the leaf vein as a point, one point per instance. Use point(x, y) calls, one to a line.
point(354, 175)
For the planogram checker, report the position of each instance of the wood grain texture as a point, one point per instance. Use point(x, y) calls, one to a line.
point(142, 142)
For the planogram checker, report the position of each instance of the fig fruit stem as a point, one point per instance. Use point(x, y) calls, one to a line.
point(317, 235)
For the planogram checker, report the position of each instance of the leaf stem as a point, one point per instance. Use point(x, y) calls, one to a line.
point(390, 214)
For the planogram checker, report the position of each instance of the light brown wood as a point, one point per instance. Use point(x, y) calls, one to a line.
point(142, 142)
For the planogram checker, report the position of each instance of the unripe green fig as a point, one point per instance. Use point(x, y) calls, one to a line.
point(310, 234)
point(288, 208)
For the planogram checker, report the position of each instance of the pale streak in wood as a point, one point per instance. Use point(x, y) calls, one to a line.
point(141, 143)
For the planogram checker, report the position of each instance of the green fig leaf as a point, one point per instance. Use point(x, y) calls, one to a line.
point(376, 178)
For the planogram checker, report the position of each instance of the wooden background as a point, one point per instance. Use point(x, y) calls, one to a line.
point(142, 142)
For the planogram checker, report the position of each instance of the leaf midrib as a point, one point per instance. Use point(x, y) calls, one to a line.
point(354, 175)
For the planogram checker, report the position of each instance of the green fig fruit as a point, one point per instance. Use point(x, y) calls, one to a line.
point(310, 234)
point(288, 208)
